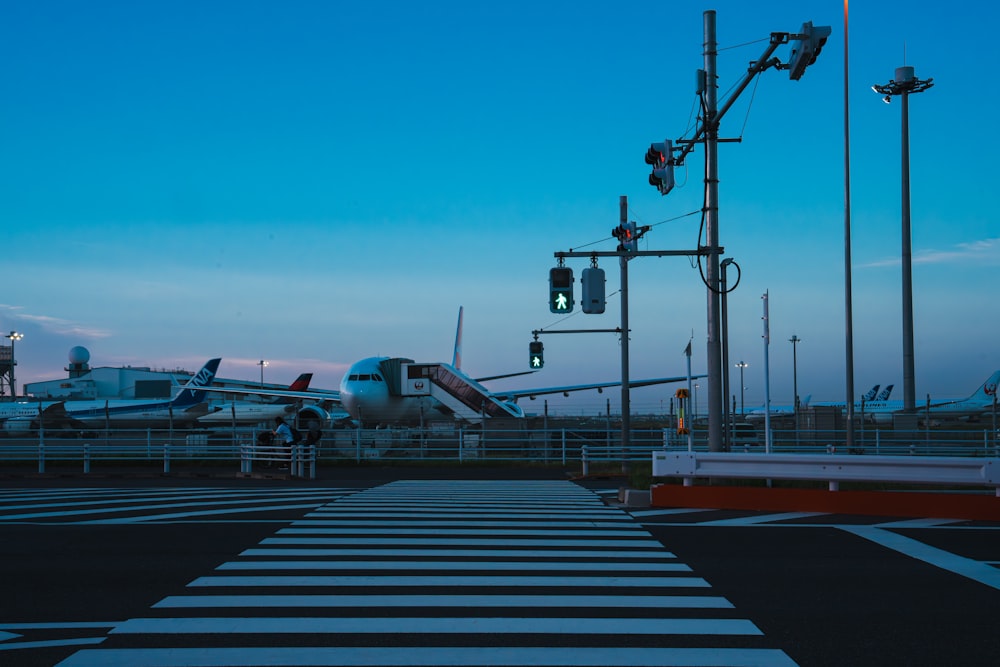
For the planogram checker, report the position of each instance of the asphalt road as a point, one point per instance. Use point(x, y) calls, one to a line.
point(78, 562)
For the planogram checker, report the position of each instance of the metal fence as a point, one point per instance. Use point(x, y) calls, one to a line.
point(164, 450)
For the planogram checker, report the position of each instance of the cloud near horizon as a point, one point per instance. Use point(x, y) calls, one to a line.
point(975, 251)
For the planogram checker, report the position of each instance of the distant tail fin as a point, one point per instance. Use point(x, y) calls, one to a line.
point(456, 360)
point(988, 390)
point(301, 382)
point(871, 394)
point(884, 396)
point(202, 378)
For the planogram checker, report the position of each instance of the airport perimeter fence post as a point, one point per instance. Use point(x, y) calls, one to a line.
point(357, 445)
point(41, 456)
point(86, 458)
point(166, 458)
point(461, 443)
point(564, 446)
point(583, 456)
point(311, 453)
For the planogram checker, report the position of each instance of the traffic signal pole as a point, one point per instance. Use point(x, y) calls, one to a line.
point(714, 357)
point(626, 401)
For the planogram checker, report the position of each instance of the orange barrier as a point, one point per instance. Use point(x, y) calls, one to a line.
point(949, 505)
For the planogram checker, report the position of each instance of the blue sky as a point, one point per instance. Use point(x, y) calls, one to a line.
point(312, 183)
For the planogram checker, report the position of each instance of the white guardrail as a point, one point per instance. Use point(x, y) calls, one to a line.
point(976, 471)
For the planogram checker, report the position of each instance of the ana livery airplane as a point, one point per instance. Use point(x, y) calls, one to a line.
point(250, 412)
point(970, 407)
point(868, 399)
point(181, 410)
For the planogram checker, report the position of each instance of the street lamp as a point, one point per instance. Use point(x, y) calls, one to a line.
point(741, 366)
point(795, 340)
point(13, 336)
point(903, 84)
point(262, 364)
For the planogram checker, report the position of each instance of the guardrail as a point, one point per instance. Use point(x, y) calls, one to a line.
point(835, 468)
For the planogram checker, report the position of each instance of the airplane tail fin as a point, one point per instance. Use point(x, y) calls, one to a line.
point(988, 390)
point(804, 403)
point(203, 378)
point(301, 382)
point(456, 359)
point(871, 394)
point(884, 396)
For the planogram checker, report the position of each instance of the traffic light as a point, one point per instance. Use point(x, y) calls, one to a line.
point(627, 236)
point(592, 287)
point(561, 290)
point(805, 47)
point(659, 156)
point(536, 356)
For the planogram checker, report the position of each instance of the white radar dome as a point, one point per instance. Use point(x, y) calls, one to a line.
point(79, 355)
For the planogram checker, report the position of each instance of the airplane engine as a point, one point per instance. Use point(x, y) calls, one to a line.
point(313, 412)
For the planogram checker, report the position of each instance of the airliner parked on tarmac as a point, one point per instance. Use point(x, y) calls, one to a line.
point(970, 407)
point(780, 411)
point(251, 412)
point(394, 390)
point(869, 399)
point(181, 410)
point(882, 410)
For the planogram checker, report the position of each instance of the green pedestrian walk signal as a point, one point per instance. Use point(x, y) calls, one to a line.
point(536, 354)
point(561, 290)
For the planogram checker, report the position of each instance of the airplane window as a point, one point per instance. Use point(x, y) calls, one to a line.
point(353, 378)
point(365, 377)
point(376, 378)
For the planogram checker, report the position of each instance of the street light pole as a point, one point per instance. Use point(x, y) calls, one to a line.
point(903, 84)
point(794, 340)
point(741, 366)
point(13, 336)
point(262, 363)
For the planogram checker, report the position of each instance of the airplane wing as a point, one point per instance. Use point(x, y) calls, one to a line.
point(514, 394)
point(310, 395)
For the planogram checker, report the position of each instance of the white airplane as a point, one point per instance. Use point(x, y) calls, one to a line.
point(393, 390)
point(970, 407)
point(181, 410)
point(397, 391)
point(758, 414)
point(251, 412)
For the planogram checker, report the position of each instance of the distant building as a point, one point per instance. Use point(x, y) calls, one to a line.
point(86, 383)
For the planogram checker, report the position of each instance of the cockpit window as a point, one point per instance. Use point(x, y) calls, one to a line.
point(376, 378)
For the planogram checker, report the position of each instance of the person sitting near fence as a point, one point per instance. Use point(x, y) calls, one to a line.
point(283, 435)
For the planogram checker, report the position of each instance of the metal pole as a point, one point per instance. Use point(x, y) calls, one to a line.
point(767, 377)
point(909, 395)
point(848, 305)
point(626, 403)
point(715, 395)
point(904, 82)
point(727, 432)
point(795, 385)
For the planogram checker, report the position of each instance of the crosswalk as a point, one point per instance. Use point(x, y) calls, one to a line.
point(150, 505)
point(445, 573)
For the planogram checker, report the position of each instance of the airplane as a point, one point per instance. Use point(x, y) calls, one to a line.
point(251, 412)
point(182, 409)
point(777, 411)
point(970, 407)
point(398, 391)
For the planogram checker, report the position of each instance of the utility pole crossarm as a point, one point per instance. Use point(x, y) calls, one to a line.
point(756, 67)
